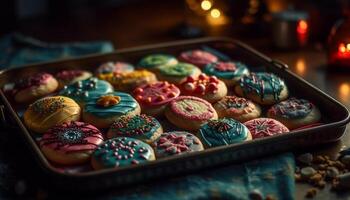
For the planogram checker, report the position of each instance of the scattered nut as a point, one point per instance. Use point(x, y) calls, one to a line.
point(311, 193)
point(320, 184)
point(316, 178)
point(332, 172)
point(319, 159)
point(305, 158)
point(307, 172)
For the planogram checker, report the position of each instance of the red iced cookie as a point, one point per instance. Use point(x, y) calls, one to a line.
point(264, 127)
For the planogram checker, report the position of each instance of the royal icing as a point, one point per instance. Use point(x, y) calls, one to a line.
point(201, 85)
point(155, 94)
point(72, 137)
point(236, 105)
point(32, 81)
point(177, 70)
point(117, 67)
point(68, 75)
point(177, 142)
point(124, 105)
point(123, 151)
point(264, 127)
point(226, 70)
point(223, 132)
point(198, 57)
point(155, 60)
point(262, 84)
point(192, 108)
point(140, 127)
point(292, 108)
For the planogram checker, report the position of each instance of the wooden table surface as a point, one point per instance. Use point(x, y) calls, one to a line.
point(144, 26)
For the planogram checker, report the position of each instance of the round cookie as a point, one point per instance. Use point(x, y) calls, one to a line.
point(154, 97)
point(142, 127)
point(263, 88)
point(101, 111)
point(295, 113)
point(189, 112)
point(265, 127)
point(175, 143)
point(223, 132)
point(229, 72)
point(114, 67)
point(83, 91)
point(70, 143)
point(151, 62)
point(67, 77)
point(206, 87)
point(128, 81)
point(197, 57)
point(121, 152)
point(50, 111)
point(177, 73)
point(33, 87)
point(238, 108)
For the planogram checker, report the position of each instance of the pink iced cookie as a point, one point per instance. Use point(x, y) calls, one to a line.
point(265, 127)
point(197, 57)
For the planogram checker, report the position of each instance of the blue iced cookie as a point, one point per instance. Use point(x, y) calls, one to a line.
point(83, 91)
point(121, 152)
point(101, 111)
point(229, 72)
point(223, 131)
point(151, 62)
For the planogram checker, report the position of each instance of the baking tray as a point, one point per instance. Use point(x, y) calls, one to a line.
point(334, 118)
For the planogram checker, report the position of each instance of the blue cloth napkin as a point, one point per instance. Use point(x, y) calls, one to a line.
point(268, 176)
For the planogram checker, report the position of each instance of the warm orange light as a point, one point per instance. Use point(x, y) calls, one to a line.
point(342, 48)
point(300, 66)
point(302, 27)
point(206, 5)
point(344, 91)
point(215, 13)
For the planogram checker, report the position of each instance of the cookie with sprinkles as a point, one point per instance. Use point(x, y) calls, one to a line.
point(223, 131)
point(142, 127)
point(153, 61)
point(197, 57)
point(154, 97)
point(175, 143)
point(101, 111)
point(229, 72)
point(206, 87)
point(237, 108)
point(265, 127)
point(83, 91)
point(263, 88)
point(30, 88)
point(121, 152)
point(50, 111)
point(189, 112)
point(70, 143)
point(114, 67)
point(177, 73)
point(295, 113)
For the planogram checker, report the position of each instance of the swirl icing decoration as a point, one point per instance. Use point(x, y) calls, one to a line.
point(72, 137)
point(264, 127)
point(123, 151)
point(198, 57)
point(67, 75)
point(114, 67)
point(156, 60)
point(141, 127)
point(32, 81)
point(262, 84)
point(177, 142)
point(125, 104)
point(226, 70)
point(200, 86)
point(236, 105)
point(192, 108)
point(292, 108)
point(223, 132)
point(155, 94)
point(82, 91)
point(177, 70)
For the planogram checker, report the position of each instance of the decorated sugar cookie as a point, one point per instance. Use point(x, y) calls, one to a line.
point(175, 143)
point(67, 77)
point(265, 127)
point(121, 152)
point(50, 111)
point(295, 113)
point(223, 131)
point(197, 57)
point(142, 127)
point(70, 143)
point(101, 111)
point(237, 108)
point(189, 112)
point(209, 88)
point(151, 62)
point(263, 88)
point(154, 97)
point(114, 67)
point(177, 73)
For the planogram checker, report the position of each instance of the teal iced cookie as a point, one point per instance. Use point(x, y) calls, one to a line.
point(121, 152)
point(153, 61)
point(223, 132)
point(83, 91)
point(229, 72)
